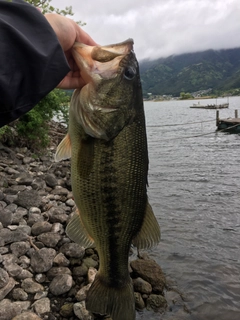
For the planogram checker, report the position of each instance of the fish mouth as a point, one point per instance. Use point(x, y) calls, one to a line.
point(100, 62)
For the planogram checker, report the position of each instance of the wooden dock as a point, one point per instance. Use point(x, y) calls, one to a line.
point(210, 106)
point(231, 125)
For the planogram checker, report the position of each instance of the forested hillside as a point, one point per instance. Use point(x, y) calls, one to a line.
point(219, 70)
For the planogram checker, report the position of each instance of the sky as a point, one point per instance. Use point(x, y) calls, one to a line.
point(160, 28)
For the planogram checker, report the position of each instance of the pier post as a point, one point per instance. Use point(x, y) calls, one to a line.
point(217, 118)
point(236, 113)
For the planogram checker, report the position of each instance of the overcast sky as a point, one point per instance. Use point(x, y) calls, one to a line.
point(160, 27)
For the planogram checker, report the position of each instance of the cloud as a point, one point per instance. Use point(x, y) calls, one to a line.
point(161, 27)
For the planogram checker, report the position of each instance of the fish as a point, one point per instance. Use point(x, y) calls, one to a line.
point(107, 144)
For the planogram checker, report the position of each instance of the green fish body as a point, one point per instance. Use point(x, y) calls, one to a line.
point(109, 165)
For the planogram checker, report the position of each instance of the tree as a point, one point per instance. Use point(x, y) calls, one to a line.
point(33, 127)
point(46, 7)
point(184, 96)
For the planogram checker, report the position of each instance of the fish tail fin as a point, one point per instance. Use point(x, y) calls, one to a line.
point(117, 302)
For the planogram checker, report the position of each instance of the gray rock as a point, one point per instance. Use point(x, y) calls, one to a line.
point(57, 214)
point(6, 217)
point(61, 284)
point(54, 271)
point(73, 250)
point(60, 191)
point(5, 290)
point(42, 306)
point(19, 248)
point(40, 295)
point(49, 239)
point(91, 274)
point(19, 214)
point(27, 316)
point(151, 272)
point(70, 203)
point(82, 293)
point(38, 184)
point(67, 310)
point(19, 294)
point(2, 204)
point(61, 260)
point(24, 179)
point(81, 312)
point(33, 218)
point(24, 274)
point(58, 228)
point(28, 199)
point(12, 236)
point(13, 269)
point(12, 207)
point(24, 228)
point(4, 250)
point(142, 286)
point(10, 170)
point(50, 180)
point(80, 271)
point(89, 262)
point(8, 310)
point(42, 260)
point(9, 259)
point(24, 262)
point(4, 278)
point(41, 227)
point(10, 198)
point(34, 210)
point(156, 302)
point(30, 286)
point(40, 277)
point(139, 303)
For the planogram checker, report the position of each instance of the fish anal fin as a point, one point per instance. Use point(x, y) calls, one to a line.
point(149, 234)
point(77, 232)
point(64, 149)
point(118, 302)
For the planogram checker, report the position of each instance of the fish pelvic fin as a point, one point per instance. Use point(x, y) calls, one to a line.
point(64, 149)
point(118, 302)
point(149, 234)
point(77, 232)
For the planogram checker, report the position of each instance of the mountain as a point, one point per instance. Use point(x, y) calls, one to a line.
point(190, 72)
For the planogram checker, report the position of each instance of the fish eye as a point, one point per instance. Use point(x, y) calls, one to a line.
point(129, 73)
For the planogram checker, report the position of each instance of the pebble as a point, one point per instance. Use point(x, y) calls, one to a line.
point(30, 286)
point(61, 284)
point(41, 306)
point(42, 260)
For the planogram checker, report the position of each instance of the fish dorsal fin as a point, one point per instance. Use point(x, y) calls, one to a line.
point(77, 232)
point(64, 149)
point(149, 234)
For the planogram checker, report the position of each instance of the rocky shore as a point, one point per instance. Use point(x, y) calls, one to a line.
point(43, 274)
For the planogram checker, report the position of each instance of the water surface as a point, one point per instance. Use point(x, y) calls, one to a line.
point(194, 188)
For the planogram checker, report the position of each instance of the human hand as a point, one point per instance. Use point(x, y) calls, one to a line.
point(69, 32)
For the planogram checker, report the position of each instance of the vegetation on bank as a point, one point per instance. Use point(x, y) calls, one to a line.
point(32, 129)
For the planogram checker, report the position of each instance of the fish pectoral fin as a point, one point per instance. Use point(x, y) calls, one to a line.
point(64, 150)
point(77, 232)
point(118, 302)
point(149, 234)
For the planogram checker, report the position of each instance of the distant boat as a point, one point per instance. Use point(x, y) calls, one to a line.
point(210, 106)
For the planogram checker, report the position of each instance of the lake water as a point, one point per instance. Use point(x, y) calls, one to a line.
point(194, 188)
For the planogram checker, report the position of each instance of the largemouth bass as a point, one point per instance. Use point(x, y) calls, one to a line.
point(107, 144)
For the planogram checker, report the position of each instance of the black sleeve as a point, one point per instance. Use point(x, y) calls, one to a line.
point(32, 62)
